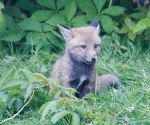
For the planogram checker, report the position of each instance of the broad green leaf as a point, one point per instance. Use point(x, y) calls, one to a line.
point(26, 5)
point(14, 12)
point(3, 96)
point(147, 32)
point(42, 107)
point(18, 104)
point(42, 78)
point(50, 106)
point(113, 10)
point(47, 27)
point(87, 6)
point(70, 10)
point(7, 75)
point(91, 17)
point(11, 102)
point(61, 3)
point(124, 29)
point(54, 40)
point(137, 15)
point(69, 92)
point(27, 75)
point(141, 25)
point(106, 23)
point(11, 25)
point(116, 37)
point(79, 104)
point(131, 35)
point(56, 117)
point(47, 3)
point(38, 39)
point(148, 14)
point(13, 36)
point(33, 38)
point(1, 6)
point(30, 25)
point(142, 9)
point(106, 41)
point(129, 23)
point(79, 21)
point(56, 19)
point(42, 15)
point(44, 69)
point(43, 44)
point(57, 34)
point(13, 83)
point(24, 85)
point(91, 96)
point(75, 119)
point(2, 23)
point(99, 4)
point(70, 102)
point(29, 91)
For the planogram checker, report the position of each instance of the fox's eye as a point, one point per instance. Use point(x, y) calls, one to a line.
point(96, 45)
point(83, 46)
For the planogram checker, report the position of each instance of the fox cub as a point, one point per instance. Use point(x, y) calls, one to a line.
point(76, 68)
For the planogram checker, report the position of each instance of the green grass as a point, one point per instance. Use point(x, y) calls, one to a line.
point(130, 105)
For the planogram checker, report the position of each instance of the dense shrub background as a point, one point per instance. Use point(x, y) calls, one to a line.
point(29, 45)
point(31, 25)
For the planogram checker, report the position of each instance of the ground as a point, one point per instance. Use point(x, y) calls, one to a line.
point(129, 105)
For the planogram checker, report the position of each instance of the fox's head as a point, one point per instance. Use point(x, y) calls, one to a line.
point(82, 44)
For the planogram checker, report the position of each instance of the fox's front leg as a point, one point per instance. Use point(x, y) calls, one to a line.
point(65, 84)
point(86, 89)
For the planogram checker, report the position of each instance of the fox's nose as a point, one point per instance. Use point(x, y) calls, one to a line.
point(93, 59)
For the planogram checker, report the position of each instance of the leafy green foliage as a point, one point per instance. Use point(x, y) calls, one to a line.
point(142, 25)
point(107, 23)
point(34, 24)
point(135, 25)
point(37, 29)
point(99, 4)
point(48, 107)
point(41, 15)
point(113, 10)
point(31, 26)
point(47, 3)
point(2, 21)
point(13, 36)
point(70, 10)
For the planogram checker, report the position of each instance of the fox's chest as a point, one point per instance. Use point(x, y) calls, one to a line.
point(80, 76)
point(80, 73)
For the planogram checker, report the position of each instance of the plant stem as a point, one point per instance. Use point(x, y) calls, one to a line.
point(110, 3)
point(5, 120)
point(96, 77)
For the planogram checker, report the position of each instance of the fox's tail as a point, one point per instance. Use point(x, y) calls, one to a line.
point(107, 81)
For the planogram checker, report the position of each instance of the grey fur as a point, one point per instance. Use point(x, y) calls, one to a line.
point(76, 68)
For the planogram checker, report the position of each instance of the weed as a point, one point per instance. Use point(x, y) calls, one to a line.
point(129, 105)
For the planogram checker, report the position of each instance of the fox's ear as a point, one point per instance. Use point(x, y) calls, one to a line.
point(96, 25)
point(65, 31)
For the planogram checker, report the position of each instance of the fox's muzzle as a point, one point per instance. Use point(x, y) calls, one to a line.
point(93, 59)
point(90, 60)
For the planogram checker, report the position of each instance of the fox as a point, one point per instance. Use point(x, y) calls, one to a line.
point(76, 68)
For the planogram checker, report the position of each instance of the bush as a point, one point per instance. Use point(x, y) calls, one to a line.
point(31, 26)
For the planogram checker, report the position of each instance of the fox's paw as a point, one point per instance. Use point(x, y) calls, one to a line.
point(107, 81)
